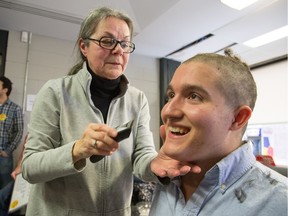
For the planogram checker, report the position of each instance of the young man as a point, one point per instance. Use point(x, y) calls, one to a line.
point(11, 130)
point(210, 100)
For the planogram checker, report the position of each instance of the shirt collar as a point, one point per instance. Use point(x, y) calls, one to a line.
point(232, 167)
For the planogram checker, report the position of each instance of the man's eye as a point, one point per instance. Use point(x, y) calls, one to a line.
point(195, 96)
point(169, 95)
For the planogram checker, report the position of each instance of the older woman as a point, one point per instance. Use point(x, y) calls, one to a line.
point(75, 117)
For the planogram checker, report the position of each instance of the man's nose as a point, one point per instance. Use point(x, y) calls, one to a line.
point(173, 108)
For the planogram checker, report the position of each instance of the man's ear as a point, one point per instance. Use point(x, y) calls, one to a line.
point(241, 117)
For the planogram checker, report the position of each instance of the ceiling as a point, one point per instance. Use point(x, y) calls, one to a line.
point(162, 26)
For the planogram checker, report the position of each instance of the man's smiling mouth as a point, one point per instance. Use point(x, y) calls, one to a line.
point(178, 131)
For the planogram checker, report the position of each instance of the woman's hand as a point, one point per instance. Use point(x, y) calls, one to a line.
point(97, 139)
point(164, 166)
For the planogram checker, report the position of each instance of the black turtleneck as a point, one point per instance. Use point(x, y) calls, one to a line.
point(103, 91)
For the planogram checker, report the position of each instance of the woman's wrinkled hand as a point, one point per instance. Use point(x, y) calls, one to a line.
point(97, 139)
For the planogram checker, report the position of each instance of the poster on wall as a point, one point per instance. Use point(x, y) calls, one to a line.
point(30, 102)
point(270, 140)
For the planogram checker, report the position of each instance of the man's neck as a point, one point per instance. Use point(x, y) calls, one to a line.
point(3, 100)
point(189, 183)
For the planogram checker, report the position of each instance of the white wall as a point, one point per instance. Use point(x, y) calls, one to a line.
point(51, 58)
point(272, 86)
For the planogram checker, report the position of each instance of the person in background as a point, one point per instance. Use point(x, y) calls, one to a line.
point(11, 130)
point(6, 192)
point(210, 100)
point(75, 117)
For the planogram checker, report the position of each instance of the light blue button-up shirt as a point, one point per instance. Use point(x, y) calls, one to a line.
point(237, 185)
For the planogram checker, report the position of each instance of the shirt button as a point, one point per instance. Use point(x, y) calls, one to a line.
point(223, 186)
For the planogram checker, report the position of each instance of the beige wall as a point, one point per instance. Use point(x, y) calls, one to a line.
point(51, 58)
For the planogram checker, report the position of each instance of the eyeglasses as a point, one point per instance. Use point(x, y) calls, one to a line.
point(111, 43)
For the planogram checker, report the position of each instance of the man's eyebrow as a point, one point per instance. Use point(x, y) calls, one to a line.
point(198, 88)
point(169, 88)
point(189, 88)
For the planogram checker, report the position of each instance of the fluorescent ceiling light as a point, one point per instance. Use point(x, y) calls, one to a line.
point(238, 4)
point(268, 37)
